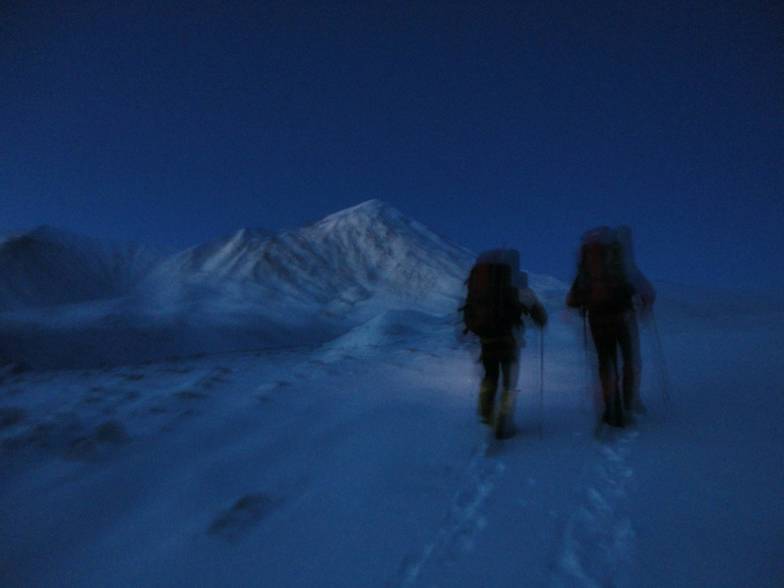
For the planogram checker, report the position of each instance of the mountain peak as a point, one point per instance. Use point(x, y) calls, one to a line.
point(372, 209)
point(370, 206)
point(248, 233)
point(40, 236)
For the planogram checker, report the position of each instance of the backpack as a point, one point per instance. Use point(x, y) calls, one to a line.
point(603, 281)
point(492, 307)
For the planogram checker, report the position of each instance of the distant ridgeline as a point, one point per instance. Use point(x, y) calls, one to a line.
point(67, 300)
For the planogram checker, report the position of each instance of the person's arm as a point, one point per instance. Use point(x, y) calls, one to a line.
point(575, 298)
point(539, 314)
point(645, 290)
point(535, 308)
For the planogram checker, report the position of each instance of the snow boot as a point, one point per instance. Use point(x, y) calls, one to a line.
point(613, 412)
point(504, 427)
point(486, 402)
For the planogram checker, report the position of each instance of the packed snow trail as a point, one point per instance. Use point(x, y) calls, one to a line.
point(598, 542)
point(464, 518)
point(507, 518)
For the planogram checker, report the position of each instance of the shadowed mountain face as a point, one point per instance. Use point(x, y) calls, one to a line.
point(48, 267)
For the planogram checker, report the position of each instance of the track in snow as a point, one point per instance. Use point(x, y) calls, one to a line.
point(598, 542)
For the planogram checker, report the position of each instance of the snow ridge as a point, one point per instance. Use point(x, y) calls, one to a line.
point(49, 267)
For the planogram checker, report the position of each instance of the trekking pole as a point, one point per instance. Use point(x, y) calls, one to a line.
point(588, 400)
point(541, 383)
point(663, 374)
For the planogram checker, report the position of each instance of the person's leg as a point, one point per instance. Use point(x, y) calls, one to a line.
point(510, 367)
point(488, 388)
point(604, 333)
point(629, 340)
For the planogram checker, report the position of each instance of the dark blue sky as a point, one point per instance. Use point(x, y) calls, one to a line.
point(493, 123)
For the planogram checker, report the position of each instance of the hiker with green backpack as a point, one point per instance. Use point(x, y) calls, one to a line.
point(498, 297)
point(609, 290)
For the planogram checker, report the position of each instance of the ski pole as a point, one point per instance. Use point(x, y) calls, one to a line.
point(541, 383)
point(589, 399)
point(665, 386)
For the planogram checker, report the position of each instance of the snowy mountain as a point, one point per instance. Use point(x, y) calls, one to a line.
point(49, 267)
point(252, 289)
point(367, 252)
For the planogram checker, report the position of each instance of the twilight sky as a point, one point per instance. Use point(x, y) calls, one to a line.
point(494, 123)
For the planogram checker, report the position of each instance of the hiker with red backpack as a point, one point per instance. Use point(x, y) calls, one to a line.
point(498, 297)
point(609, 290)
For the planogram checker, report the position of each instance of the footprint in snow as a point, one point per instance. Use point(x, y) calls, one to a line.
point(599, 539)
point(177, 420)
point(216, 377)
point(53, 434)
point(11, 416)
point(190, 395)
point(263, 391)
point(130, 396)
point(106, 435)
point(133, 377)
point(94, 396)
point(458, 533)
point(242, 516)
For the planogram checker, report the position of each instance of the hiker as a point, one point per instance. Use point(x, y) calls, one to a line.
point(610, 289)
point(498, 296)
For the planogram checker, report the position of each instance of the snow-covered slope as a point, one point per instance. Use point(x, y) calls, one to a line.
point(103, 303)
point(48, 267)
point(370, 251)
point(721, 306)
point(253, 289)
point(362, 463)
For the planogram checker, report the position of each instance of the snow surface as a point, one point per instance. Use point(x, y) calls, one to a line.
point(361, 463)
point(358, 460)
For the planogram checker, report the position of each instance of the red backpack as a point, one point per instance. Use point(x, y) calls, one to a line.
point(602, 280)
point(492, 308)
